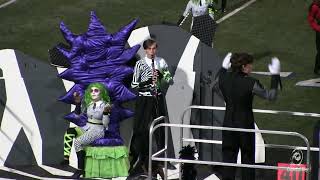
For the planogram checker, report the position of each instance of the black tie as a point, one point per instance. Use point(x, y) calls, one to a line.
point(200, 3)
point(94, 106)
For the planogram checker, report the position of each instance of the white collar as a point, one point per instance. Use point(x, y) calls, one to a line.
point(149, 61)
point(98, 103)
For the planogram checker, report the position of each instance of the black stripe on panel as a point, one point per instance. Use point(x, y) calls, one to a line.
point(35, 171)
point(38, 171)
point(12, 175)
point(3, 95)
point(207, 64)
point(44, 88)
point(21, 152)
point(172, 41)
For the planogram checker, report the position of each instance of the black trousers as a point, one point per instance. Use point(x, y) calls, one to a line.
point(147, 109)
point(317, 61)
point(231, 142)
point(223, 5)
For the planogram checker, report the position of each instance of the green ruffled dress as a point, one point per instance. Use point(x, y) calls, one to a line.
point(106, 162)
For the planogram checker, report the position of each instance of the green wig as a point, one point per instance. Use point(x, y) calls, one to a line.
point(103, 93)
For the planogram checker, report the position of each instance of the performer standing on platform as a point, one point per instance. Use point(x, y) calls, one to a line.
point(313, 19)
point(203, 25)
point(238, 90)
point(149, 73)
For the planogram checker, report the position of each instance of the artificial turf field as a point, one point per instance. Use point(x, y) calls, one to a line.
point(266, 28)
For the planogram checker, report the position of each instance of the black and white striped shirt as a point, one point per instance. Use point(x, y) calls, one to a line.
point(143, 71)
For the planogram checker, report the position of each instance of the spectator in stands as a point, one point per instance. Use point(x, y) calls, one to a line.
point(238, 90)
point(314, 18)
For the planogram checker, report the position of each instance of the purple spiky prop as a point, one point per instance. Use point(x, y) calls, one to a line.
point(98, 56)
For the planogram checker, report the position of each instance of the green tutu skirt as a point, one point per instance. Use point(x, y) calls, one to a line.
point(106, 162)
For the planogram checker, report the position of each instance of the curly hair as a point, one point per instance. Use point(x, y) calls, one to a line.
point(238, 60)
point(103, 93)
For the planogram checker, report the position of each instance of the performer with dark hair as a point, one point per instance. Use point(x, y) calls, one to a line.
point(203, 24)
point(313, 19)
point(149, 73)
point(238, 90)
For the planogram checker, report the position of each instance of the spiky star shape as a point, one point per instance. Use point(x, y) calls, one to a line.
point(98, 56)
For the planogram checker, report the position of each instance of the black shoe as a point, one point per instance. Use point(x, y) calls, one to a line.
point(157, 171)
point(136, 168)
point(216, 169)
point(77, 174)
point(141, 176)
point(65, 162)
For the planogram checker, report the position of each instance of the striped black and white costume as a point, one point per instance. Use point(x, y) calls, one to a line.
point(95, 127)
point(203, 24)
point(150, 104)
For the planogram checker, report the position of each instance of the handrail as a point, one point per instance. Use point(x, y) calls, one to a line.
point(153, 127)
point(257, 145)
point(165, 159)
point(159, 152)
point(221, 108)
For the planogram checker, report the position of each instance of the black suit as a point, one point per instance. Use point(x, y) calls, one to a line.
point(238, 90)
point(223, 5)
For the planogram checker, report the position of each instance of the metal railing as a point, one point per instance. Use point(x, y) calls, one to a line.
point(154, 157)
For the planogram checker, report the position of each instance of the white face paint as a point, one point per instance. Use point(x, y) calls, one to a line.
point(95, 94)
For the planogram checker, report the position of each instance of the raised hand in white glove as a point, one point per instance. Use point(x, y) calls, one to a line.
point(274, 67)
point(226, 64)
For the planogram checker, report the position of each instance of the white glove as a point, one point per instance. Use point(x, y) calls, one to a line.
point(85, 127)
point(226, 64)
point(105, 121)
point(274, 67)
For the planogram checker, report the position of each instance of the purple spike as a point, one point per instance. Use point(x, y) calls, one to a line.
point(116, 141)
point(121, 37)
point(68, 98)
point(67, 34)
point(120, 74)
point(126, 56)
point(76, 119)
point(115, 51)
point(122, 94)
point(126, 113)
point(95, 26)
point(64, 51)
point(77, 44)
